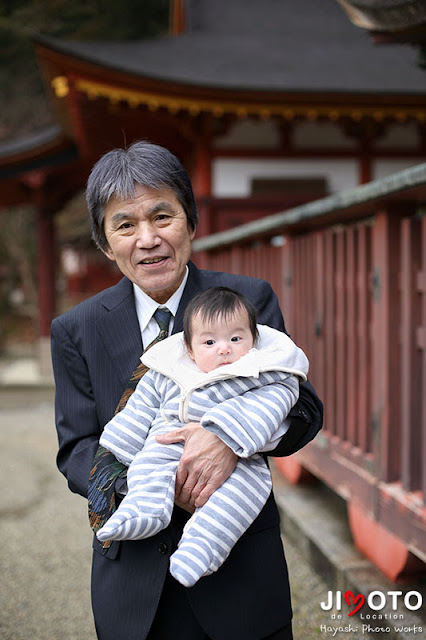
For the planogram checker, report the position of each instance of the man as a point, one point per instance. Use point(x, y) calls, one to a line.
point(144, 218)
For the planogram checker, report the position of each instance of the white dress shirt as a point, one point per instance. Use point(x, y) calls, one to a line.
point(146, 307)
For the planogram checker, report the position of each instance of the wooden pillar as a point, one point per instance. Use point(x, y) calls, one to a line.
point(46, 287)
point(46, 270)
point(411, 374)
point(385, 345)
point(36, 181)
point(421, 341)
point(177, 17)
point(330, 393)
point(363, 311)
point(367, 131)
point(365, 171)
point(285, 292)
point(77, 113)
point(202, 185)
point(341, 318)
point(365, 165)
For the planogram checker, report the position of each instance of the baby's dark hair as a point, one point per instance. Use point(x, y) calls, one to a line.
point(218, 302)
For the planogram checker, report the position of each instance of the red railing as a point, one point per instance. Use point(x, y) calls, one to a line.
point(350, 273)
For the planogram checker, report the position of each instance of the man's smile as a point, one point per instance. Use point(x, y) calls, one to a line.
point(152, 260)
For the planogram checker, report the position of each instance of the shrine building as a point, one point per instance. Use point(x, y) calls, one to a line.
point(268, 105)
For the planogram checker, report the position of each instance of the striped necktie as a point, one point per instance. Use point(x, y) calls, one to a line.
point(106, 468)
point(162, 318)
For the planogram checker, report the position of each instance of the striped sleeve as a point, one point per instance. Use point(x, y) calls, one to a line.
point(126, 432)
point(247, 422)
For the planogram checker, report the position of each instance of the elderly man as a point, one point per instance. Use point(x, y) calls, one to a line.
point(144, 218)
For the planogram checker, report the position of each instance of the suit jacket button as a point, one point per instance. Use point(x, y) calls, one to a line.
point(162, 548)
point(303, 415)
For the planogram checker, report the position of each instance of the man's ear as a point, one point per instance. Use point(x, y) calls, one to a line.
point(108, 253)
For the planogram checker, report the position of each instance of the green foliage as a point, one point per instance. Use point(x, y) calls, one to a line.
point(88, 19)
point(24, 107)
point(20, 20)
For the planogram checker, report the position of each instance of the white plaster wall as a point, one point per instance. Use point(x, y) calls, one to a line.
point(231, 177)
point(400, 136)
point(246, 134)
point(383, 168)
point(324, 135)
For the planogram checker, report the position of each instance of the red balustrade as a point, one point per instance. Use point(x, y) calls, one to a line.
point(351, 280)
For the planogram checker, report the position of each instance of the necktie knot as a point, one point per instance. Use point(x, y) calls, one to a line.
point(162, 318)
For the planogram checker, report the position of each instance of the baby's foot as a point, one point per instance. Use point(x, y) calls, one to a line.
point(191, 561)
point(128, 523)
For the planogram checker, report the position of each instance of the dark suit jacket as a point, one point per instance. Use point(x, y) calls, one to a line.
point(95, 348)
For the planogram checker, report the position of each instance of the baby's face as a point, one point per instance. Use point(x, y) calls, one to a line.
point(220, 342)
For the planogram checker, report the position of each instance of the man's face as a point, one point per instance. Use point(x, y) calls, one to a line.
point(149, 239)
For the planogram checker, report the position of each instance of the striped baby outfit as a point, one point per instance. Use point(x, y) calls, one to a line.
point(244, 403)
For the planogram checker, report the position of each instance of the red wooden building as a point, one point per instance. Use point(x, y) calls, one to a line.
point(269, 105)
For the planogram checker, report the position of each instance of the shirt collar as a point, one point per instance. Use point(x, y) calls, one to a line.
point(146, 306)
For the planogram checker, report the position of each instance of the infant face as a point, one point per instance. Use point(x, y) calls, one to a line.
point(221, 341)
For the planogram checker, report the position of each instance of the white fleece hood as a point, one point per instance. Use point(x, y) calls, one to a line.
point(274, 351)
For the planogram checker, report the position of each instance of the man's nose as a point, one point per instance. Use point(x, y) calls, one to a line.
point(147, 236)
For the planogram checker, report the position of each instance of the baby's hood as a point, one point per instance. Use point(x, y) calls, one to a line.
point(274, 351)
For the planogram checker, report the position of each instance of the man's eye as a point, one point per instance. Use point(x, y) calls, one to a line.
point(125, 225)
point(162, 217)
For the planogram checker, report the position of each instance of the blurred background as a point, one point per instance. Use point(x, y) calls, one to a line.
point(303, 127)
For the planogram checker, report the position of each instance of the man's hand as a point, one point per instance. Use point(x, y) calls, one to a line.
point(205, 464)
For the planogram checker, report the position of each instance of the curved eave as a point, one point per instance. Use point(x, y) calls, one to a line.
point(242, 105)
point(97, 81)
point(40, 151)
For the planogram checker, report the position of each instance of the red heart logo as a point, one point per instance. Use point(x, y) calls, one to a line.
point(350, 598)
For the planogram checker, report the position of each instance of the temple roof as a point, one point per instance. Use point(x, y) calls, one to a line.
point(27, 144)
point(284, 46)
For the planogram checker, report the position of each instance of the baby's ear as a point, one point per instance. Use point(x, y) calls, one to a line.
point(188, 348)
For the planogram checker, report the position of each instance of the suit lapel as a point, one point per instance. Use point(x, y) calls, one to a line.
point(119, 329)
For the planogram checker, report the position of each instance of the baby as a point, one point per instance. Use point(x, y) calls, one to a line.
point(239, 380)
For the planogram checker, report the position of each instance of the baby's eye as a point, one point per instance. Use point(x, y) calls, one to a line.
point(235, 339)
point(209, 342)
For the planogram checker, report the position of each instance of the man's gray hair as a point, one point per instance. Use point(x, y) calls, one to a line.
point(119, 171)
